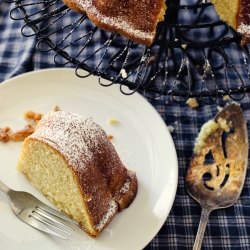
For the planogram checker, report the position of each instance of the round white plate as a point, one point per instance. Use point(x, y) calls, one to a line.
point(141, 138)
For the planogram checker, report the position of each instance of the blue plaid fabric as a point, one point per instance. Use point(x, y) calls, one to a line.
point(228, 228)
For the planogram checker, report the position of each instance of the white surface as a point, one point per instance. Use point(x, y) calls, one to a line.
point(141, 139)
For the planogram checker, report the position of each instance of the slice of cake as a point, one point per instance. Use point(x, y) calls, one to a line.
point(136, 20)
point(236, 13)
point(70, 160)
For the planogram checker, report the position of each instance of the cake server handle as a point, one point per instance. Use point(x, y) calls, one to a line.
point(201, 229)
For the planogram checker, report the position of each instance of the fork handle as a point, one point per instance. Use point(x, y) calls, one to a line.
point(202, 226)
point(4, 188)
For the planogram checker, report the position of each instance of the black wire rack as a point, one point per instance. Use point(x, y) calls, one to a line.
point(194, 53)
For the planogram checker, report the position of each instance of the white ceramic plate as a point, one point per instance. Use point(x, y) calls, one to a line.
point(140, 137)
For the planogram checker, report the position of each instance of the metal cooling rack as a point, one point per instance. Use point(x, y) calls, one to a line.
point(194, 53)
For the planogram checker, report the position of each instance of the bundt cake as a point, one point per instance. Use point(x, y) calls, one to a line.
point(237, 14)
point(70, 160)
point(136, 20)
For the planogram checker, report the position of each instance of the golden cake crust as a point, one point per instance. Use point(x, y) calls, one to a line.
point(136, 20)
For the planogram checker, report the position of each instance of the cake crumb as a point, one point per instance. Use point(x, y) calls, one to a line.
point(224, 125)
point(56, 108)
point(29, 114)
point(112, 120)
point(171, 129)
point(184, 46)
point(208, 128)
point(192, 102)
point(36, 117)
point(22, 133)
point(4, 136)
point(110, 137)
point(7, 135)
point(124, 73)
point(226, 98)
point(219, 108)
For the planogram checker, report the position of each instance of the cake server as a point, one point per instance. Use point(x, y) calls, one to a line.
point(217, 170)
point(37, 214)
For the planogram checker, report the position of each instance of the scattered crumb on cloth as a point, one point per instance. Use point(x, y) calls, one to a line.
point(192, 103)
point(170, 128)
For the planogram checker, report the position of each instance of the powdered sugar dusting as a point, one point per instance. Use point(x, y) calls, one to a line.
point(118, 21)
point(110, 212)
point(244, 29)
point(125, 188)
point(126, 185)
point(71, 134)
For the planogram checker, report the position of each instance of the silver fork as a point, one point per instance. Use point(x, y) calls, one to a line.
point(37, 214)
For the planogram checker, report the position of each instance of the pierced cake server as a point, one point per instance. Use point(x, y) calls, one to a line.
point(217, 170)
point(37, 214)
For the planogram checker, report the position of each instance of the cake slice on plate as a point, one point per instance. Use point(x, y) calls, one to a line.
point(70, 160)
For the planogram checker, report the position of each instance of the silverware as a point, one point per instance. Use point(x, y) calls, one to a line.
point(37, 214)
point(217, 170)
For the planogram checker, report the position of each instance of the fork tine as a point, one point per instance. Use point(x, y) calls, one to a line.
point(46, 221)
point(49, 218)
point(42, 227)
point(23, 204)
point(54, 212)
